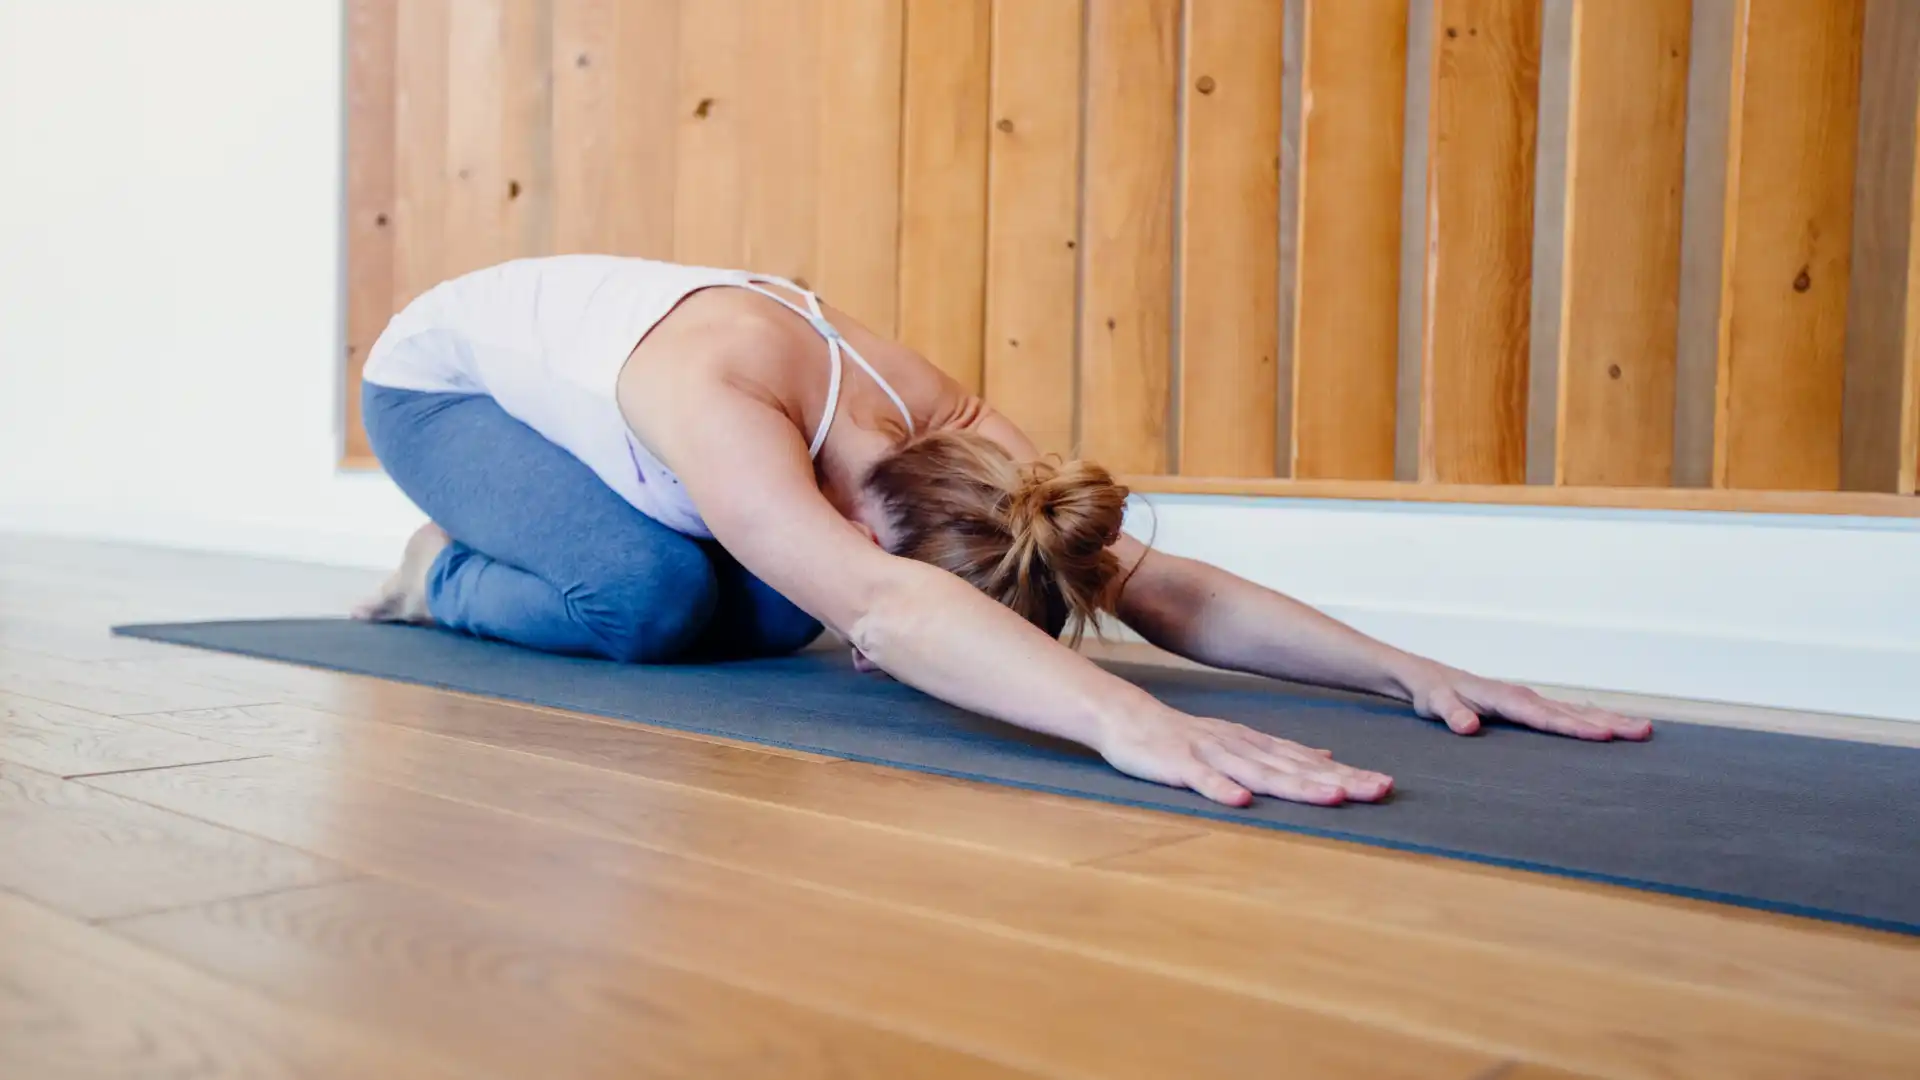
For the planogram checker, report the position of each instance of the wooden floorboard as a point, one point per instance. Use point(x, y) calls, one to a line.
point(347, 876)
point(1396, 976)
point(80, 1003)
point(93, 855)
point(1047, 1009)
point(473, 983)
point(70, 742)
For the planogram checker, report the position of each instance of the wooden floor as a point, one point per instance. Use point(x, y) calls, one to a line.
point(216, 867)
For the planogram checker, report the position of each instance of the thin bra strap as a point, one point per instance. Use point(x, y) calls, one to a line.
point(836, 344)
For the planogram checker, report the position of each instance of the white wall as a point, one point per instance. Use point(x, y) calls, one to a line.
point(170, 181)
point(170, 184)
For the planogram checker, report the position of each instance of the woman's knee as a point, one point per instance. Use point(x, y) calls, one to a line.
point(648, 614)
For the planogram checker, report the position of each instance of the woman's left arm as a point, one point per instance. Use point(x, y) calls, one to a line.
point(1206, 614)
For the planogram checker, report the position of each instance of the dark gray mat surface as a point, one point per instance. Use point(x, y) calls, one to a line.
point(1813, 827)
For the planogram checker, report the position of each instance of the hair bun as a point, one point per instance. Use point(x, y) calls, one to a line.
point(1065, 513)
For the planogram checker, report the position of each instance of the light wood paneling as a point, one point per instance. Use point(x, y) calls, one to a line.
point(1033, 218)
point(82, 1003)
point(1549, 238)
point(498, 129)
point(709, 208)
point(1784, 273)
point(1346, 329)
point(1620, 286)
point(615, 126)
point(372, 27)
point(943, 183)
point(1230, 238)
point(1479, 264)
point(470, 983)
point(1413, 241)
point(1703, 223)
point(857, 250)
point(1126, 316)
point(420, 148)
point(1292, 115)
point(1863, 504)
point(1908, 481)
point(91, 855)
point(780, 58)
point(1871, 458)
point(1018, 1001)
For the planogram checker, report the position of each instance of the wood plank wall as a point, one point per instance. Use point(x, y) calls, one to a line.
point(1669, 247)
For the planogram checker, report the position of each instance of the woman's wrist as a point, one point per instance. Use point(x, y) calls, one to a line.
point(1407, 677)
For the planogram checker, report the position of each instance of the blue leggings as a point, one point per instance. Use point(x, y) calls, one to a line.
point(547, 556)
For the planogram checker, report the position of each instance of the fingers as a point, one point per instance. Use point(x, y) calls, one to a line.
point(1238, 763)
point(1312, 764)
point(1450, 710)
point(1523, 706)
point(1218, 786)
point(1623, 727)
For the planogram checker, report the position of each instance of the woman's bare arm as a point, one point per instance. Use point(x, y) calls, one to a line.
point(1217, 618)
point(744, 464)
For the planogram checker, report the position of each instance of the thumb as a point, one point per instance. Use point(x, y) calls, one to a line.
point(1448, 707)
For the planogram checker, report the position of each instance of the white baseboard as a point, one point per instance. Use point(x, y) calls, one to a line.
point(1816, 614)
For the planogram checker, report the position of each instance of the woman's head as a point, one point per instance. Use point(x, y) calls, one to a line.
point(1032, 536)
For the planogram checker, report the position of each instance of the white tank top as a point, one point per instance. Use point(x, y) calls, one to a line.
point(546, 339)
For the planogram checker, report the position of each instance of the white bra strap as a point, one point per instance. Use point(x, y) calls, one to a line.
point(836, 344)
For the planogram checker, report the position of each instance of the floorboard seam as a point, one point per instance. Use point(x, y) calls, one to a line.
point(158, 768)
point(1495, 1071)
point(348, 874)
point(1095, 862)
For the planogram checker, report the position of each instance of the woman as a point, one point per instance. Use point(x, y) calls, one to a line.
point(645, 461)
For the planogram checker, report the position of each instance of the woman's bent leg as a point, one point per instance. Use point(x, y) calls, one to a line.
point(543, 553)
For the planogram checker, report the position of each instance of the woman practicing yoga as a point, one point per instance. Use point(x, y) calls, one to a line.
point(647, 462)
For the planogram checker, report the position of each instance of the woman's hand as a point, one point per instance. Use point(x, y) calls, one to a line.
point(1461, 701)
point(1230, 763)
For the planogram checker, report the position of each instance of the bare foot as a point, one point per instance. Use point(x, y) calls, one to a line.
point(403, 597)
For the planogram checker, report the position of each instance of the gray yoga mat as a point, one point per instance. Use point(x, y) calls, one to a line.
point(1812, 827)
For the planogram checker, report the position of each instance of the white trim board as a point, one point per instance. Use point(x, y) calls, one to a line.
point(1810, 613)
point(1797, 612)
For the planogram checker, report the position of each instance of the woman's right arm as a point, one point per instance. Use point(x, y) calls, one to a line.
point(742, 461)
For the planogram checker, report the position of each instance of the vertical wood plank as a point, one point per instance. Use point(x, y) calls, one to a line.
point(372, 27)
point(1292, 116)
point(858, 250)
point(1479, 223)
point(420, 148)
point(1413, 242)
point(1620, 284)
point(615, 120)
point(1703, 222)
point(1133, 72)
point(497, 116)
point(1033, 217)
point(1871, 411)
point(943, 184)
point(1908, 480)
point(1230, 238)
point(780, 61)
point(1549, 238)
point(1346, 325)
point(708, 207)
point(1784, 274)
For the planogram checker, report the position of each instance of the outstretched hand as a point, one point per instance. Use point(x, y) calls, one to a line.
point(1461, 701)
point(1230, 763)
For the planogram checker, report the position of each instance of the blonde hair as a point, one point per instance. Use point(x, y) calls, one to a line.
point(1033, 536)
